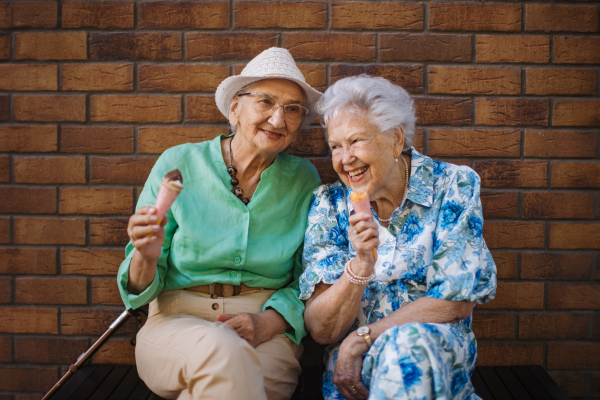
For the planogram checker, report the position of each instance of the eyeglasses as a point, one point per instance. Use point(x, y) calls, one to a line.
point(266, 104)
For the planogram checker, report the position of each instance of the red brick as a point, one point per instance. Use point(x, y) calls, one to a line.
point(109, 232)
point(512, 49)
point(28, 320)
point(39, 14)
point(573, 356)
point(474, 143)
point(513, 112)
point(474, 17)
point(595, 385)
point(516, 235)
point(4, 47)
point(557, 81)
point(419, 47)
point(572, 383)
point(49, 170)
point(48, 350)
point(183, 14)
point(575, 174)
point(4, 169)
point(409, 77)
point(120, 170)
point(96, 139)
point(418, 141)
point(91, 261)
point(331, 46)
point(97, 77)
point(368, 15)
point(224, 46)
point(576, 113)
point(560, 144)
point(181, 77)
point(500, 204)
point(325, 168)
point(576, 50)
point(315, 75)
point(4, 108)
point(51, 290)
point(135, 46)
point(546, 266)
point(572, 296)
point(443, 111)
point(544, 205)
point(27, 200)
point(5, 291)
point(518, 296)
point(54, 108)
point(574, 236)
point(553, 326)
point(96, 201)
point(494, 325)
point(506, 264)
point(508, 354)
point(27, 261)
point(5, 350)
point(92, 14)
point(91, 321)
point(550, 17)
point(50, 46)
point(20, 379)
point(105, 291)
point(34, 138)
point(158, 139)
point(14, 77)
point(135, 108)
point(115, 351)
point(471, 80)
point(202, 109)
point(4, 230)
point(279, 14)
point(49, 230)
point(512, 173)
point(310, 142)
point(5, 16)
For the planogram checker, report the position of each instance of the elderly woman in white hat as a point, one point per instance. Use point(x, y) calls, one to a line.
point(221, 271)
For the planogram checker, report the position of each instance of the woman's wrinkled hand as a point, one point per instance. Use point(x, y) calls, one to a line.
point(364, 236)
point(347, 372)
point(146, 234)
point(251, 327)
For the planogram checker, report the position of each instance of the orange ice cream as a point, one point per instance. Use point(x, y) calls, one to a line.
point(361, 204)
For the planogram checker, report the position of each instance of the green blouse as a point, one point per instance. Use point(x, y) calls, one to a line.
point(211, 236)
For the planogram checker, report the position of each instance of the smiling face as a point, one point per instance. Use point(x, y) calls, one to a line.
point(362, 156)
point(268, 133)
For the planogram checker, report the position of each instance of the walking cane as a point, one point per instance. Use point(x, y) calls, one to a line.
point(91, 351)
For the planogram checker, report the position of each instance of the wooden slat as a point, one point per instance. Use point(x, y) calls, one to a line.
point(67, 390)
point(141, 392)
point(111, 382)
point(93, 382)
point(481, 389)
point(555, 391)
point(535, 389)
point(512, 383)
point(127, 386)
point(494, 384)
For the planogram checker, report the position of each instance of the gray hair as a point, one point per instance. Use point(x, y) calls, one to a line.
point(388, 106)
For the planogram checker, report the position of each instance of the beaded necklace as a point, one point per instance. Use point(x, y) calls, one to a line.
point(232, 171)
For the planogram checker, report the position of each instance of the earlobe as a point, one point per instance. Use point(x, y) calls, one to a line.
point(398, 141)
point(233, 113)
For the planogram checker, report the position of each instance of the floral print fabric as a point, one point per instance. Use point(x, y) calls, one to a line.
point(432, 247)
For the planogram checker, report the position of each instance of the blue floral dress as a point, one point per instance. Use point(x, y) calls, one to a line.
point(432, 247)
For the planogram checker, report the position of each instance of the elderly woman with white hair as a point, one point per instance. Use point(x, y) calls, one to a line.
point(221, 270)
point(399, 323)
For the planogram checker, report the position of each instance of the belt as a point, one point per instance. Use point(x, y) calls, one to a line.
point(223, 290)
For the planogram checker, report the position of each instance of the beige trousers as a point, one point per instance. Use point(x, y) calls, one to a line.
point(184, 352)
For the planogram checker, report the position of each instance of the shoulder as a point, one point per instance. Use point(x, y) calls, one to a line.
point(446, 174)
point(299, 169)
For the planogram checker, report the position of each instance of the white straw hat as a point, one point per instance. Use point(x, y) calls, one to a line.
point(271, 63)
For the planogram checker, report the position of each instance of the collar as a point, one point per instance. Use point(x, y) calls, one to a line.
point(420, 189)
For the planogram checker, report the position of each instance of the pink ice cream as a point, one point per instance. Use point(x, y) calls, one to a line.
point(361, 204)
point(172, 185)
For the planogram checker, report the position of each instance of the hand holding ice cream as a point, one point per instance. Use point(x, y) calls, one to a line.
point(363, 225)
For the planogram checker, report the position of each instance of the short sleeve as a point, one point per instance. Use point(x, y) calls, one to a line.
point(326, 240)
point(462, 268)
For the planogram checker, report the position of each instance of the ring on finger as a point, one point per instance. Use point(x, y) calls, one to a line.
point(353, 389)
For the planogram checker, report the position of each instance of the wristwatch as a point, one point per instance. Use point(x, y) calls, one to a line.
point(364, 332)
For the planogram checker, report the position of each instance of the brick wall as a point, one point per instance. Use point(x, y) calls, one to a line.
point(92, 92)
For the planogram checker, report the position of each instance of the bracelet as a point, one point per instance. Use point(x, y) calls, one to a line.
point(357, 279)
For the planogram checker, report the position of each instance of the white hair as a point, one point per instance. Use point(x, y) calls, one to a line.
point(388, 106)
